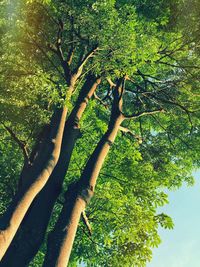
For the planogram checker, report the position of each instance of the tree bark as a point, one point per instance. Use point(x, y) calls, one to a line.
point(78, 195)
point(32, 231)
point(11, 220)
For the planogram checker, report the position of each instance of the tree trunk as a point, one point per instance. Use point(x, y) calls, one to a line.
point(78, 195)
point(36, 180)
point(33, 160)
point(32, 231)
point(11, 220)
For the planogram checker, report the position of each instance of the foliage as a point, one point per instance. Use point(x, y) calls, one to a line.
point(135, 38)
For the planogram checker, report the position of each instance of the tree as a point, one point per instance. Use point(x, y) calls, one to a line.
point(142, 60)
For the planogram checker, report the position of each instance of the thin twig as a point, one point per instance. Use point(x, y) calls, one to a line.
point(21, 144)
point(140, 114)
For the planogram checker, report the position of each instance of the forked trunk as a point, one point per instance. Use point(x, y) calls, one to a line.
point(32, 231)
point(61, 239)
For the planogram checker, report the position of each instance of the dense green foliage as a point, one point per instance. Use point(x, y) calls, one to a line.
point(145, 40)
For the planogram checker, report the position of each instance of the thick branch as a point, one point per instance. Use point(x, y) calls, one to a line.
point(86, 222)
point(111, 83)
point(118, 95)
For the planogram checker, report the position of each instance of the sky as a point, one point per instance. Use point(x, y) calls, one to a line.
point(180, 247)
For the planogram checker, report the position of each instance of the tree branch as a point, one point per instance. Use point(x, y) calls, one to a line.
point(48, 13)
point(140, 114)
point(179, 66)
point(113, 177)
point(100, 100)
point(118, 94)
point(21, 144)
point(48, 58)
point(79, 69)
point(96, 243)
point(81, 38)
point(126, 130)
point(178, 105)
point(172, 134)
point(168, 134)
point(72, 48)
point(112, 84)
point(86, 222)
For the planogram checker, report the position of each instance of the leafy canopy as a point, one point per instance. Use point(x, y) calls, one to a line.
point(140, 39)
